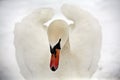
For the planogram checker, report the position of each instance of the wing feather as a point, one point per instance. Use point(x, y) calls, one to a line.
point(85, 37)
point(31, 42)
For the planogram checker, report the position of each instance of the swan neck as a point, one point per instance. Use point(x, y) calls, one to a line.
point(66, 47)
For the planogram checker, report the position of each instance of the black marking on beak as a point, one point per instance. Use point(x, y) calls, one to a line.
point(53, 69)
point(52, 50)
point(57, 46)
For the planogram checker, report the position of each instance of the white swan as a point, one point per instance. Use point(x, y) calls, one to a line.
point(74, 49)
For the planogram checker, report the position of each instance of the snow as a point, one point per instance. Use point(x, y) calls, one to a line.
point(106, 11)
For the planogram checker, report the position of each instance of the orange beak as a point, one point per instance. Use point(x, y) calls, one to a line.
point(55, 60)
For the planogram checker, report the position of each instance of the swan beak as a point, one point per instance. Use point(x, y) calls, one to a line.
point(55, 60)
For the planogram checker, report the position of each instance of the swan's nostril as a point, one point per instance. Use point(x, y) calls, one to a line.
point(53, 69)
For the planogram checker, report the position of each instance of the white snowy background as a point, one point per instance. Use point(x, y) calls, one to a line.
point(106, 11)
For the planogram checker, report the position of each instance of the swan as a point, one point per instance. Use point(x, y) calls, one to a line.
point(60, 51)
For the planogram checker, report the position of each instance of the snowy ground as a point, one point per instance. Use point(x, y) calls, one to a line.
point(106, 11)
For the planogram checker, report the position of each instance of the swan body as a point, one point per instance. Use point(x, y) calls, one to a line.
point(79, 45)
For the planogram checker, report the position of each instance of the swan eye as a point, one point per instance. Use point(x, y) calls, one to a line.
point(57, 46)
point(52, 50)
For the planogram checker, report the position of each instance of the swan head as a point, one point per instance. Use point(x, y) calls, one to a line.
point(58, 33)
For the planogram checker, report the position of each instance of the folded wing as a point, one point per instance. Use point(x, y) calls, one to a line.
point(31, 41)
point(85, 37)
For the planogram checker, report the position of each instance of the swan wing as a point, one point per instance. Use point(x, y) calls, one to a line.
point(31, 42)
point(85, 37)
